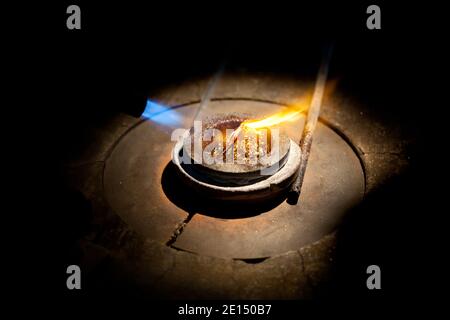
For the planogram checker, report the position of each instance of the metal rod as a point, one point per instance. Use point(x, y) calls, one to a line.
point(206, 98)
point(310, 126)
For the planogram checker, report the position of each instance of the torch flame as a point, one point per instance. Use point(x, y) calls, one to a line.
point(272, 120)
point(292, 114)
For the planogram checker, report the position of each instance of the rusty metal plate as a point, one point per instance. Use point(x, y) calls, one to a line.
point(141, 188)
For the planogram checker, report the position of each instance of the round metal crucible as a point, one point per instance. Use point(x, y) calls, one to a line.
point(214, 156)
point(250, 168)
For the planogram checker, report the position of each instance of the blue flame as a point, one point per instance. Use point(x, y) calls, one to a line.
point(161, 114)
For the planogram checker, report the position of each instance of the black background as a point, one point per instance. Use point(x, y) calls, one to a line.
point(71, 79)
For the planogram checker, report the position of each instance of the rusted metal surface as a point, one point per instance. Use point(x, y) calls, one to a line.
point(140, 188)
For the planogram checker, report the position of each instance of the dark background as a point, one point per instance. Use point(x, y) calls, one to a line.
point(79, 78)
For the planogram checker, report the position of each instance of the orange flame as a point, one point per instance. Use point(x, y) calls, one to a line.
point(292, 114)
point(294, 111)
